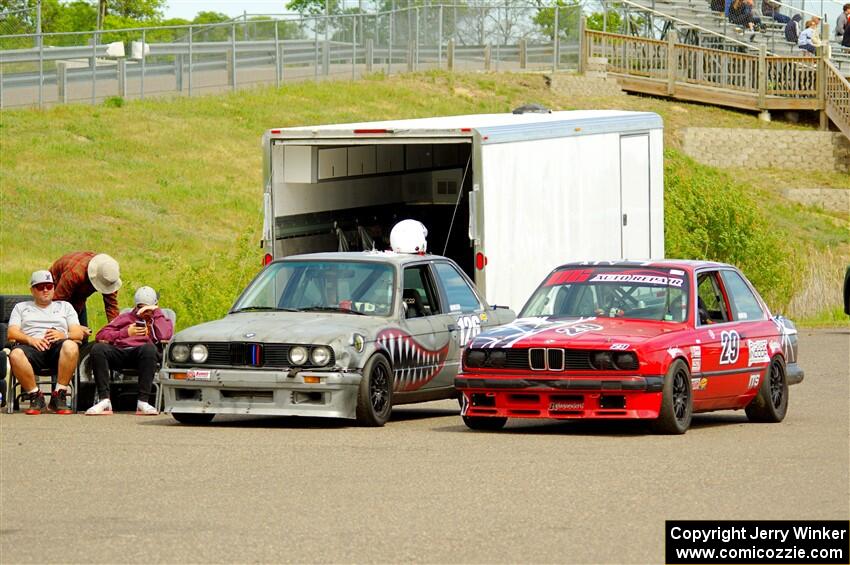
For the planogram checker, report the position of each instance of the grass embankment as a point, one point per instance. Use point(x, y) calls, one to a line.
point(171, 188)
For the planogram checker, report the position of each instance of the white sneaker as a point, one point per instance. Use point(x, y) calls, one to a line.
point(102, 408)
point(145, 409)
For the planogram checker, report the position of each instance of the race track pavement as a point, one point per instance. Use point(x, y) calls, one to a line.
point(422, 489)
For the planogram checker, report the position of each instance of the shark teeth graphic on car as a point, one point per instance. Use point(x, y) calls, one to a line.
point(413, 364)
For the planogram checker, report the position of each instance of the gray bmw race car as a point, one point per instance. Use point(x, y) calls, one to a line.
point(344, 335)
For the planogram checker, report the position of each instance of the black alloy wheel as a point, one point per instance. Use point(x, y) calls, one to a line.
point(770, 404)
point(379, 388)
point(677, 405)
point(681, 388)
point(375, 397)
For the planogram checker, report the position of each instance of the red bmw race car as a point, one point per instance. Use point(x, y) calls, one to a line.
point(656, 341)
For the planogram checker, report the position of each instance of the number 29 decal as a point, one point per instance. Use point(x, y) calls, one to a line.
point(730, 347)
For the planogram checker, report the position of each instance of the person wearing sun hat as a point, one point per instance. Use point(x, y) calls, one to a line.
point(131, 341)
point(80, 274)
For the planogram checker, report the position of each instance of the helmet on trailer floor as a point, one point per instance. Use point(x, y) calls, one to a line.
point(409, 236)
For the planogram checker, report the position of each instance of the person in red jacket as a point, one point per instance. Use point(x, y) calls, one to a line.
point(130, 342)
point(80, 274)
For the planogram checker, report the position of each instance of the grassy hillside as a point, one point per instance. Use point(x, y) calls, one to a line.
point(172, 188)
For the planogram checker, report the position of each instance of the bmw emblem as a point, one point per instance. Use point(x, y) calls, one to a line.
point(250, 334)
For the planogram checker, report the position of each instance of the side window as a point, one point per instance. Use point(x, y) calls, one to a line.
point(460, 296)
point(744, 303)
point(711, 308)
point(418, 293)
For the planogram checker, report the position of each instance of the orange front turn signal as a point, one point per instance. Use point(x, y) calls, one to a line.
point(178, 376)
point(312, 380)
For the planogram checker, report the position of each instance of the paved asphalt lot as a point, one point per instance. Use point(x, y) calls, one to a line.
point(422, 489)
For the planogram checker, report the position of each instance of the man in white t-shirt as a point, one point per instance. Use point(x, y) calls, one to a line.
point(44, 331)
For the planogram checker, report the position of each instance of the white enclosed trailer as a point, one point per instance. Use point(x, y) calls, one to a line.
point(507, 196)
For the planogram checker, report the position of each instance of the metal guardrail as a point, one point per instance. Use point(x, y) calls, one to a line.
point(187, 59)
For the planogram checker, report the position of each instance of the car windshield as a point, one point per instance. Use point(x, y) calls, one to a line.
point(348, 287)
point(616, 292)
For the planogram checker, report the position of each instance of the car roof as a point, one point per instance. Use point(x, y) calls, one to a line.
point(685, 264)
point(367, 256)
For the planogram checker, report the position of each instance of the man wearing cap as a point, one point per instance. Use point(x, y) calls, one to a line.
point(80, 274)
point(44, 331)
point(130, 342)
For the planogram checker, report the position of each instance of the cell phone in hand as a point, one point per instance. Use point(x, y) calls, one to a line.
point(140, 324)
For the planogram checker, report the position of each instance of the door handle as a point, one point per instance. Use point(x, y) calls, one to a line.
point(452, 327)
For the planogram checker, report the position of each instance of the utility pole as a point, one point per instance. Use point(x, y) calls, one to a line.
point(38, 22)
point(101, 13)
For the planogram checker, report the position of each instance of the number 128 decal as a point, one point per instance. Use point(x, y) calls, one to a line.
point(730, 347)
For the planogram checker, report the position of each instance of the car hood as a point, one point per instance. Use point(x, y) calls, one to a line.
point(572, 332)
point(282, 327)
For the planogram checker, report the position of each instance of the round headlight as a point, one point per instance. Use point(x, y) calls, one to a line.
point(320, 356)
point(626, 361)
point(497, 358)
point(298, 355)
point(180, 353)
point(601, 360)
point(475, 357)
point(199, 353)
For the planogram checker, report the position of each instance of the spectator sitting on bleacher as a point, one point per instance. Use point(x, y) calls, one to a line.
point(809, 39)
point(792, 29)
point(130, 342)
point(44, 330)
point(769, 8)
point(841, 22)
point(741, 13)
point(846, 41)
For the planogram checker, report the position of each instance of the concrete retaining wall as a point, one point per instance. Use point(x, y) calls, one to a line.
point(784, 149)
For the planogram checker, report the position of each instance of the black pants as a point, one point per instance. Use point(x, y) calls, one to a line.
point(142, 359)
point(47, 360)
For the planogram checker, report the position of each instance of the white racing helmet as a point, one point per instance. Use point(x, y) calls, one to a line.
point(409, 236)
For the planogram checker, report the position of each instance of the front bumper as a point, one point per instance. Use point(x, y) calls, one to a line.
point(562, 398)
point(270, 393)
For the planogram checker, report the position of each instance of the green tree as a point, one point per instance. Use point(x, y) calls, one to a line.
point(140, 10)
point(596, 21)
point(569, 13)
point(76, 16)
point(314, 7)
point(210, 18)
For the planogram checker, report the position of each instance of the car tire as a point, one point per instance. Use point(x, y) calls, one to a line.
point(771, 402)
point(484, 423)
point(192, 419)
point(677, 401)
point(375, 396)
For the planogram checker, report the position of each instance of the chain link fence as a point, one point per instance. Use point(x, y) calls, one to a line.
point(57, 68)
